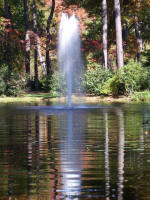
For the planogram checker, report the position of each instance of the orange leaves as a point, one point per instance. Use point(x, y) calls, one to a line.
point(93, 44)
point(8, 33)
point(81, 13)
point(14, 34)
point(12, 31)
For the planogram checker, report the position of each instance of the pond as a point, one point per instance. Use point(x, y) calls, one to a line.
point(101, 153)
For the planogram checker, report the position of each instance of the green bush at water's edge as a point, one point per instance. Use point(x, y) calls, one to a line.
point(98, 81)
point(52, 84)
point(130, 78)
point(127, 80)
point(95, 79)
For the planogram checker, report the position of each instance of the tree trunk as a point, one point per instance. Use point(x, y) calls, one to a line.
point(48, 65)
point(27, 37)
point(104, 18)
point(8, 26)
point(36, 81)
point(125, 32)
point(41, 58)
point(119, 44)
point(139, 40)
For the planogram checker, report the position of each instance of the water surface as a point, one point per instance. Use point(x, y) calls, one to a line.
point(98, 153)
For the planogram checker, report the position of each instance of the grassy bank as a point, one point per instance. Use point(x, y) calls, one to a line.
point(137, 97)
point(141, 97)
point(28, 98)
point(47, 97)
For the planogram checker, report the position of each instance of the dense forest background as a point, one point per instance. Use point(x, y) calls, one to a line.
point(115, 44)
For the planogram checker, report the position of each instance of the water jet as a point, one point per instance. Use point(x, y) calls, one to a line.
point(69, 57)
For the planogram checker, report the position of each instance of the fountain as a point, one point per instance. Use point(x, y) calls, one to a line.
point(69, 57)
point(71, 69)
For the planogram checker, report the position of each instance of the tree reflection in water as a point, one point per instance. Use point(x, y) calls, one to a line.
point(30, 154)
point(53, 164)
point(74, 154)
point(107, 170)
point(121, 139)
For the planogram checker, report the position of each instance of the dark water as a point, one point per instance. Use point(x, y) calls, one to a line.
point(75, 154)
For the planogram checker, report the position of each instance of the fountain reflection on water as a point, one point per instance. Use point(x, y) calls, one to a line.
point(71, 148)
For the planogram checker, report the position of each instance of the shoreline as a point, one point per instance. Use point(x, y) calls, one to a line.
point(47, 98)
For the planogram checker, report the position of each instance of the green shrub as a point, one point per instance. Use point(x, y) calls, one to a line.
point(113, 86)
point(3, 86)
point(130, 78)
point(13, 84)
point(16, 85)
point(49, 83)
point(3, 78)
point(56, 84)
point(95, 79)
point(45, 83)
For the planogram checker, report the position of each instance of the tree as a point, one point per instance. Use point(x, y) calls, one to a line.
point(104, 19)
point(35, 48)
point(139, 40)
point(27, 37)
point(119, 43)
point(48, 37)
point(8, 26)
point(37, 42)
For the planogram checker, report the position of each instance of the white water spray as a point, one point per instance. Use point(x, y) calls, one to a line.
point(69, 56)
